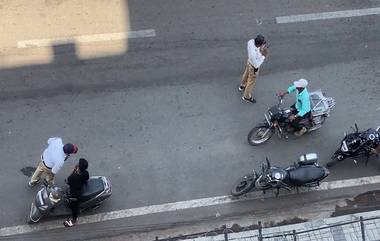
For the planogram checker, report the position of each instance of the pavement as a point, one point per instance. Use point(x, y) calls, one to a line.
point(162, 116)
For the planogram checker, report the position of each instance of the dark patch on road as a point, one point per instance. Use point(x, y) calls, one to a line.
point(28, 171)
point(364, 202)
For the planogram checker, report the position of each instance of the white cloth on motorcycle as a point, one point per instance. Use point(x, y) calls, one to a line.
point(318, 103)
point(306, 174)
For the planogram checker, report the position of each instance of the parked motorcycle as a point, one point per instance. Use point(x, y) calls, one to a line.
point(53, 200)
point(304, 173)
point(276, 120)
point(356, 144)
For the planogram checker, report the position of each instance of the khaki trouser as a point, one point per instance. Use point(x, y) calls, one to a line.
point(42, 169)
point(248, 80)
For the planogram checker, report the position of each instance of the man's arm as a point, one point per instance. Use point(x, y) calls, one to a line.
point(288, 91)
point(57, 166)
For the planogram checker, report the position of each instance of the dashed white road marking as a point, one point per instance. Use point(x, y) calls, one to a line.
point(33, 43)
point(182, 205)
point(328, 15)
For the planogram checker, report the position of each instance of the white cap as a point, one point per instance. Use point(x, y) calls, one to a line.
point(301, 83)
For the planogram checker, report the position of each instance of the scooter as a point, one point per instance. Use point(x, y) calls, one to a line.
point(53, 200)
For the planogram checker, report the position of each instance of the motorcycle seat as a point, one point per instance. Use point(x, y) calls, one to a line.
point(306, 174)
point(92, 188)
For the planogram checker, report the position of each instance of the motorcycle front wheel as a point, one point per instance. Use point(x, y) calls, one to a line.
point(259, 135)
point(244, 185)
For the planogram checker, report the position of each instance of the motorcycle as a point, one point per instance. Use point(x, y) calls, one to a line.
point(356, 144)
point(53, 200)
point(304, 173)
point(276, 120)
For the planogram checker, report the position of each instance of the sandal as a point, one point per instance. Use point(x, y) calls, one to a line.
point(69, 223)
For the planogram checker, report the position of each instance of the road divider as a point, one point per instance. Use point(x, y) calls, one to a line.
point(35, 43)
point(183, 205)
point(328, 15)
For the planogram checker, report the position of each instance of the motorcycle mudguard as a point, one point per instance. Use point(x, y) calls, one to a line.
point(263, 124)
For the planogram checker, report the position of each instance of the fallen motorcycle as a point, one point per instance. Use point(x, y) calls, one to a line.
point(277, 119)
point(304, 173)
point(356, 144)
point(53, 200)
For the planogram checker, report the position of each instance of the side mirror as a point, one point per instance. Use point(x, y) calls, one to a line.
point(263, 168)
point(268, 163)
point(353, 129)
point(356, 127)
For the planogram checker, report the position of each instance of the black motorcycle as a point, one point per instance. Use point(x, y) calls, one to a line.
point(277, 119)
point(356, 144)
point(304, 173)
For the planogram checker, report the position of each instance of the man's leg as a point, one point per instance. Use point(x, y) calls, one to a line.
point(300, 129)
point(37, 174)
point(75, 211)
point(49, 176)
point(243, 82)
point(251, 81)
point(296, 124)
point(74, 206)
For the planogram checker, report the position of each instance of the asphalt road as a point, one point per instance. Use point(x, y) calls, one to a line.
point(165, 120)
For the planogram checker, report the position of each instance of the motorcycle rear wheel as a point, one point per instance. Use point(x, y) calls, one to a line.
point(244, 185)
point(259, 135)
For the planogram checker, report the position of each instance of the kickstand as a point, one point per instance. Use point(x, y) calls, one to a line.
point(367, 159)
point(264, 191)
point(278, 192)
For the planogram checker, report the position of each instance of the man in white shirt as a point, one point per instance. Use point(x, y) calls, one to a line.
point(257, 51)
point(52, 160)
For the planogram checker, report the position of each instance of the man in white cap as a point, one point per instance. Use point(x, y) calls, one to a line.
point(301, 109)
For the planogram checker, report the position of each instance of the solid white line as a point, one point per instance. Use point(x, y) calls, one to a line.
point(328, 15)
point(182, 205)
point(86, 38)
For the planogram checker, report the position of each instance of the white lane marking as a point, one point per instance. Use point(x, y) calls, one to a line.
point(182, 205)
point(86, 38)
point(328, 15)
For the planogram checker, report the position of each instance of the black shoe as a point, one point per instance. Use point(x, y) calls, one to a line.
point(31, 185)
point(252, 100)
point(241, 88)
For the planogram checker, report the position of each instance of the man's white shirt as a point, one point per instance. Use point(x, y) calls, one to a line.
point(255, 57)
point(53, 156)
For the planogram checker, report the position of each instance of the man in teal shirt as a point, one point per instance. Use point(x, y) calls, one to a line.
point(301, 109)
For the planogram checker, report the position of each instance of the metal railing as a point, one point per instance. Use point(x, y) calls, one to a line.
point(363, 229)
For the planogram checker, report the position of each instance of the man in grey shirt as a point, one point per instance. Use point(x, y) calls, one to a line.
point(52, 160)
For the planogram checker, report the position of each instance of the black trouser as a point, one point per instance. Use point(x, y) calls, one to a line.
point(74, 206)
point(296, 122)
